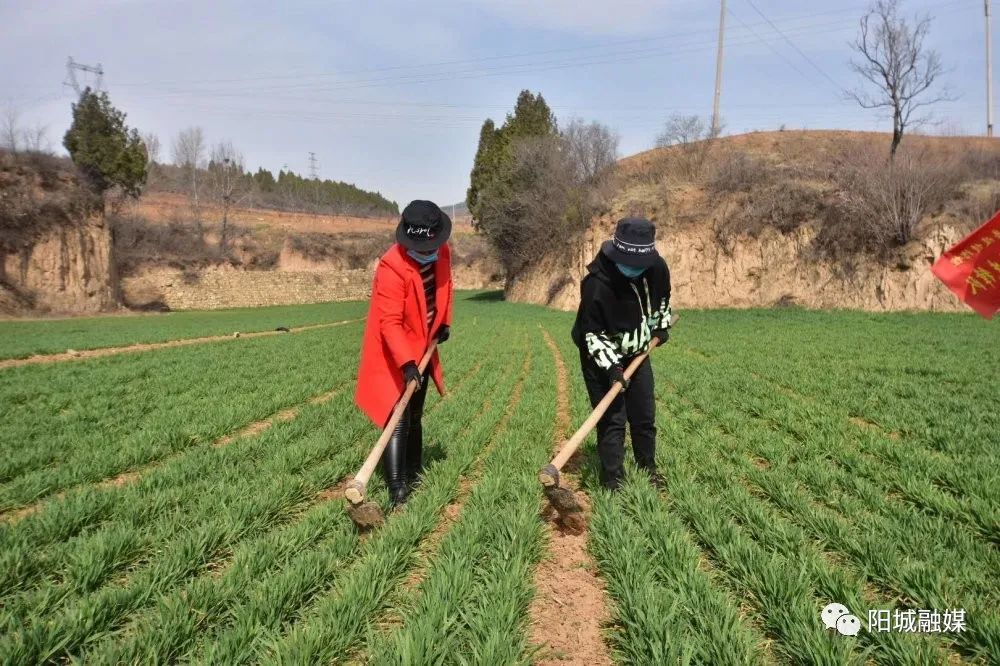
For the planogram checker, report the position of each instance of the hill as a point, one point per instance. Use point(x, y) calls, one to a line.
point(801, 217)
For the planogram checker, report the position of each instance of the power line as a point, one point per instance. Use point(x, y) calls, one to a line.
point(282, 77)
point(512, 68)
point(819, 69)
point(523, 68)
point(768, 45)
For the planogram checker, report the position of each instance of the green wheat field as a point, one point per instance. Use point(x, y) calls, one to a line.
point(810, 458)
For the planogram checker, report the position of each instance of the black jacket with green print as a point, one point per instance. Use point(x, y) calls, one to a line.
point(617, 315)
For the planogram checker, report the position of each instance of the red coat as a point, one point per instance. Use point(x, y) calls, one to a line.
point(396, 330)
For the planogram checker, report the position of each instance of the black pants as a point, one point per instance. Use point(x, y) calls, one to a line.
point(401, 461)
point(637, 406)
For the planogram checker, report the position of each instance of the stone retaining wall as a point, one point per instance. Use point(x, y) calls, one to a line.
point(220, 288)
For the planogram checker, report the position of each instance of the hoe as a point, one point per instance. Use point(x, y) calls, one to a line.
point(368, 514)
point(562, 499)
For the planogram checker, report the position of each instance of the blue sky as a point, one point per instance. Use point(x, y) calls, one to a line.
point(391, 95)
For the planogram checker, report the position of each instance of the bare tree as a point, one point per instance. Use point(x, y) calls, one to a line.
point(36, 139)
point(682, 130)
point(189, 153)
point(229, 182)
point(10, 130)
point(522, 214)
point(593, 148)
point(152, 143)
point(897, 65)
point(693, 139)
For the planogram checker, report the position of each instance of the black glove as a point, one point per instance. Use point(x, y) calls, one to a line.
point(662, 335)
point(411, 373)
point(443, 333)
point(617, 374)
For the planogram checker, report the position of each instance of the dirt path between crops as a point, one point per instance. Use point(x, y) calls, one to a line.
point(72, 355)
point(570, 605)
point(125, 478)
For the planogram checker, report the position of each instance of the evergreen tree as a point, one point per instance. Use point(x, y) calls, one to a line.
point(493, 166)
point(264, 180)
point(482, 167)
point(531, 117)
point(103, 147)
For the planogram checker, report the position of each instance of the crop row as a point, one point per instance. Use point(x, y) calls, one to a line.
point(83, 422)
point(928, 561)
point(215, 498)
point(20, 339)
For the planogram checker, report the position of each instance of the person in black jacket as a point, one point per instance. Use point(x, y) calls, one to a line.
point(624, 303)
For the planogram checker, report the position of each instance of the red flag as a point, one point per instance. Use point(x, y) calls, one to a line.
point(971, 268)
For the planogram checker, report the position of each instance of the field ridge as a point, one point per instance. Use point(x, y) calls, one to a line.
point(149, 346)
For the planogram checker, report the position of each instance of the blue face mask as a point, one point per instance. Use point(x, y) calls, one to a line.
point(423, 259)
point(629, 271)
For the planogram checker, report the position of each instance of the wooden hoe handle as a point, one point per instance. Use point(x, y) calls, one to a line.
point(355, 491)
point(549, 476)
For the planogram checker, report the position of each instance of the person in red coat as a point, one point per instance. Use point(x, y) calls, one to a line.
point(410, 306)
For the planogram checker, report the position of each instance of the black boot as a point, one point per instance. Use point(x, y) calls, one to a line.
point(612, 479)
point(415, 438)
point(414, 454)
point(394, 462)
point(655, 478)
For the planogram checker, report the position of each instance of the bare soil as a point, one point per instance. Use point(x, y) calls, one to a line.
point(570, 604)
point(164, 207)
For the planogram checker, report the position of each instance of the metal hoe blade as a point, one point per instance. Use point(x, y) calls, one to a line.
point(366, 515)
point(563, 500)
point(570, 513)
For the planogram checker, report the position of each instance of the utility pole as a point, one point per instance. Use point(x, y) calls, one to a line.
point(718, 70)
point(72, 67)
point(989, 73)
point(314, 175)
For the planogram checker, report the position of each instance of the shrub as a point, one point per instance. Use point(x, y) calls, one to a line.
point(356, 250)
point(740, 172)
point(782, 206)
point(691, 140)
point(176, 244)
point(881, 204)
point(39, 192)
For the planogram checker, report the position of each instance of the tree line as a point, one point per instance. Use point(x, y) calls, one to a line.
point(116, 159)
point(199, 170)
